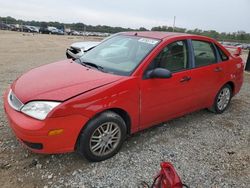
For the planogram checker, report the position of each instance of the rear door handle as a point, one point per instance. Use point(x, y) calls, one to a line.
point(185, 79)
point(218, 69)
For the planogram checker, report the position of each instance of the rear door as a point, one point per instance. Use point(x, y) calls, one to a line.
point(207, 73)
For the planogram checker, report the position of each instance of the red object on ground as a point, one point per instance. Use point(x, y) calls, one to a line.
point(167, 177)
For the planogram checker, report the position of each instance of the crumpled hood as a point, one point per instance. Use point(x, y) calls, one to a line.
point(59, 81)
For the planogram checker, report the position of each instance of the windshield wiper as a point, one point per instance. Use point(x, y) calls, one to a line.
point(92, 65)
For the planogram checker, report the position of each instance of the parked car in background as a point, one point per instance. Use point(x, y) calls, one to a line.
point(30, 29)
point(34, 29)
point(74, 33)
point(54, 30)
point(127, 83)
point(44, 30)
point(57, 32)
point(4, 26)
point(26, 29)
point(245, 46)
point(60, 32)
point(78, 49)
point(15, 27)
point(51, 30)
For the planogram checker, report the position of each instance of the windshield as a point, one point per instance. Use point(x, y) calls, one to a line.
point(120, 54)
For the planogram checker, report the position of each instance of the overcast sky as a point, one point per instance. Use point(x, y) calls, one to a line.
point(220, 15)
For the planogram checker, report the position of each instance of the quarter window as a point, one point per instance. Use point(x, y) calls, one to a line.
point(173, 57)
point(223, 56)
point(204, 53)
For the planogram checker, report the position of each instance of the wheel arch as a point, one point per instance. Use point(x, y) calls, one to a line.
point(125, 116)
point(121, 112)
point(232, 85)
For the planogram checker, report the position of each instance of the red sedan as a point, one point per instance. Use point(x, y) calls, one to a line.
point(125, 84)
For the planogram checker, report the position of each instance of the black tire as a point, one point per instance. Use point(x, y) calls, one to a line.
point(216, 108)
point(84, 140)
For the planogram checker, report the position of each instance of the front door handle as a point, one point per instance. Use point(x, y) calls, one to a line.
point(185, 79)
point(218, 69)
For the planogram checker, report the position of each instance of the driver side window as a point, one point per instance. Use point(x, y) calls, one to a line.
point(173, 57)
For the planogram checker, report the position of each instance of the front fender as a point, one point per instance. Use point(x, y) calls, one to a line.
point(123, 94)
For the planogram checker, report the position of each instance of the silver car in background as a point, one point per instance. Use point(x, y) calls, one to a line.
point(78, 49)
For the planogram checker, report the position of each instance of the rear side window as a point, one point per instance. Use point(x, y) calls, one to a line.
point(223, 56)
point(204, 53)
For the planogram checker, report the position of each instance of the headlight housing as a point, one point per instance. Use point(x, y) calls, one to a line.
point(39, 109)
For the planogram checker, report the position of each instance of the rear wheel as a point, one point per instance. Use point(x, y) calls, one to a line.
point(103, 137)
point(222, 99)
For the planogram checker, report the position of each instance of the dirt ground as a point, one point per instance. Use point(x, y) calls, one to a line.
point(219, 161)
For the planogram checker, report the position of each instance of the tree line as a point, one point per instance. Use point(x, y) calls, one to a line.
point(238, 36)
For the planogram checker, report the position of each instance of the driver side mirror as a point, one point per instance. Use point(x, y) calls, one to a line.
point(159, 73)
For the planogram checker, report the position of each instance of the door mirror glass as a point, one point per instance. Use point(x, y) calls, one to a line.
point(159, 73)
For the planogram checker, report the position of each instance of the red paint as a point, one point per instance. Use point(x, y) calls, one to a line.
point(86, 92)
point(167, 177)
point(237, 50)
point(59, 81)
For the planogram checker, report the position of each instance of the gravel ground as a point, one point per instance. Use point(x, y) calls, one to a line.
point(207, 150)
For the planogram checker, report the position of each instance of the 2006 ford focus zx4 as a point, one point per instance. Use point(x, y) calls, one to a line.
point(125, 84)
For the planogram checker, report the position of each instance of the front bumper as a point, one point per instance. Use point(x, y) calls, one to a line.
point(34, 133)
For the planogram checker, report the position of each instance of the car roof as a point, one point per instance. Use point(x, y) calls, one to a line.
point(158, 34)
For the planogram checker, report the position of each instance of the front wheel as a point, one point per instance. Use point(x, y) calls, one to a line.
point(103, 137)
point(222, 99)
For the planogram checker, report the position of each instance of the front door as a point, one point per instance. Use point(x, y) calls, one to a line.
point(163, 99)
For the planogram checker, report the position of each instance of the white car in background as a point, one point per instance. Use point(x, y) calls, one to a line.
point(78, 49)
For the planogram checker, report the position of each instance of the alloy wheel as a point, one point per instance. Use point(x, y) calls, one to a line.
point(223, 98)
point(105, 139)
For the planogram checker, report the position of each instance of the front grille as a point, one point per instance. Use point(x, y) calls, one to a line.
point(14, 102)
